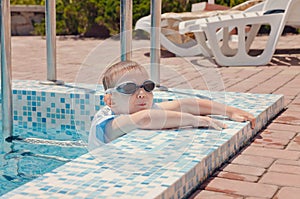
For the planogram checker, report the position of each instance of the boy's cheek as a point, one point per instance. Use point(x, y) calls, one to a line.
point(121, 106)
point(117, 109)
point(120, 99)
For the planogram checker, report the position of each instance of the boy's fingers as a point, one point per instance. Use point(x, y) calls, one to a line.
point(253, 123)
point(252, 120)
point(212, 123)
point(217, 125)
point(239, 118)
point(221, 124)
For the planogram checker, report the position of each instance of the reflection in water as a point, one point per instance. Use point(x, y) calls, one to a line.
point(31, 153)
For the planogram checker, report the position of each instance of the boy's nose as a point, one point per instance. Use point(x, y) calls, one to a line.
point(141, 93)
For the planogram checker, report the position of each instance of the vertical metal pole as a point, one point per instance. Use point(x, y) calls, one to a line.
point(6, 82)
point(51, 43)
point(155, 40)
point(51, 39)
point(126, 29)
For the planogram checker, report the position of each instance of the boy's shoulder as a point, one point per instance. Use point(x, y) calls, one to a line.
point(105, 111)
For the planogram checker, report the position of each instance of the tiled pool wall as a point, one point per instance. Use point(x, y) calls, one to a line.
point(41, 107)
point(107, 175)
point(63, 107)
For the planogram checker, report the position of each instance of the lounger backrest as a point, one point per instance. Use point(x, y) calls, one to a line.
point(293, 15)
point(276, 4)
point(290, 7)
point(256, 7)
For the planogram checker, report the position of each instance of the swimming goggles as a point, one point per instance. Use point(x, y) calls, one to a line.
point(129, 88)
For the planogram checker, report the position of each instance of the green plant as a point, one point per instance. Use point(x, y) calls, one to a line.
point(79, 16)
point(27, 2)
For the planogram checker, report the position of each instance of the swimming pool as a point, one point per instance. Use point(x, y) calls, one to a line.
point(34, 152)
point(51, 126)
point(142, 164)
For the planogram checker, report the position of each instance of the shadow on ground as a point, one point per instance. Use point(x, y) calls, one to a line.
point(282, 57)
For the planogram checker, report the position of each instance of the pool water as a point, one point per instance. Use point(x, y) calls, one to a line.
point(33, 152)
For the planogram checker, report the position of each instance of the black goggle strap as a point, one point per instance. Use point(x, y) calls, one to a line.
point(109, 91)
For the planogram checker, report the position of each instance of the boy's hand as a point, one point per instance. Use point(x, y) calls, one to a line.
point(202, 121)
point(240, 116)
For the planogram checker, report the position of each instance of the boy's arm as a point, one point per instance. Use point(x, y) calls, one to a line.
point(157, 119)
point(207, 107)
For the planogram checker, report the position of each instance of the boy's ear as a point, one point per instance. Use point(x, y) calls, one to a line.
point(107, 99)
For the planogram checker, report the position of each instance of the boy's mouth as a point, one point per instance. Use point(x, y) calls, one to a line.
point(142, 104)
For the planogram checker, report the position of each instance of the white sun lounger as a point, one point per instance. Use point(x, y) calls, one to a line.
point(191, 47)
point(276, 13)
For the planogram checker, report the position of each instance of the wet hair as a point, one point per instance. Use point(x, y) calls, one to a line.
point(115, 71)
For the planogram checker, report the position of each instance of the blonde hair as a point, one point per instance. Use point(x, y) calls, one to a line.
point(115, 71)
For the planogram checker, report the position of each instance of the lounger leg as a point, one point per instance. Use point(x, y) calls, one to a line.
point(242, 58)
point(251, 35)
point(225, 48)
point(201, 39)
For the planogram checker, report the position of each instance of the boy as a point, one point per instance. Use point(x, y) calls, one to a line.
point(129, 101)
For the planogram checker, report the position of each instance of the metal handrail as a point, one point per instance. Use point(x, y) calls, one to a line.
point(155, 41)
point(126, 29)
point(6, 75)
point(126, 35)
point(51, 39)
point(51, 43)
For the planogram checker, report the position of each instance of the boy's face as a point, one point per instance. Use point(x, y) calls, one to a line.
point(140, 100)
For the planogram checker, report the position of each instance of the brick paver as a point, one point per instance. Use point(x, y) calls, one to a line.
point(215, 195)
point(288, 162)
point(284, 127)
point(277, 134)
point(282, 168)
point(254, 198)
point(255, 161)
point(288, 192)
point(281, 179)
point(294, 145)
point(243, 169)
point(267, 168)
point(237, 176)
point(241, 188)
point(272, 153)
point(270, 142)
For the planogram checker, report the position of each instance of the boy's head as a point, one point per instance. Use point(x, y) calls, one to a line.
point(114, 73)
point(128, 88)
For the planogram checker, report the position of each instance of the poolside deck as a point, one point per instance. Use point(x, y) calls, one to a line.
point(269, 166)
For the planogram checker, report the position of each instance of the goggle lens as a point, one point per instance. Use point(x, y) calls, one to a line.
point(149, 85)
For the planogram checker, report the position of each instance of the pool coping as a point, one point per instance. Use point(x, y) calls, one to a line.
point(181, 184)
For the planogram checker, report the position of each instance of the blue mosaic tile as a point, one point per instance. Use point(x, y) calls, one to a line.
point(142, 164)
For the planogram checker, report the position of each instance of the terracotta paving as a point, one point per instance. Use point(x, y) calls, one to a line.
point(269, 167)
